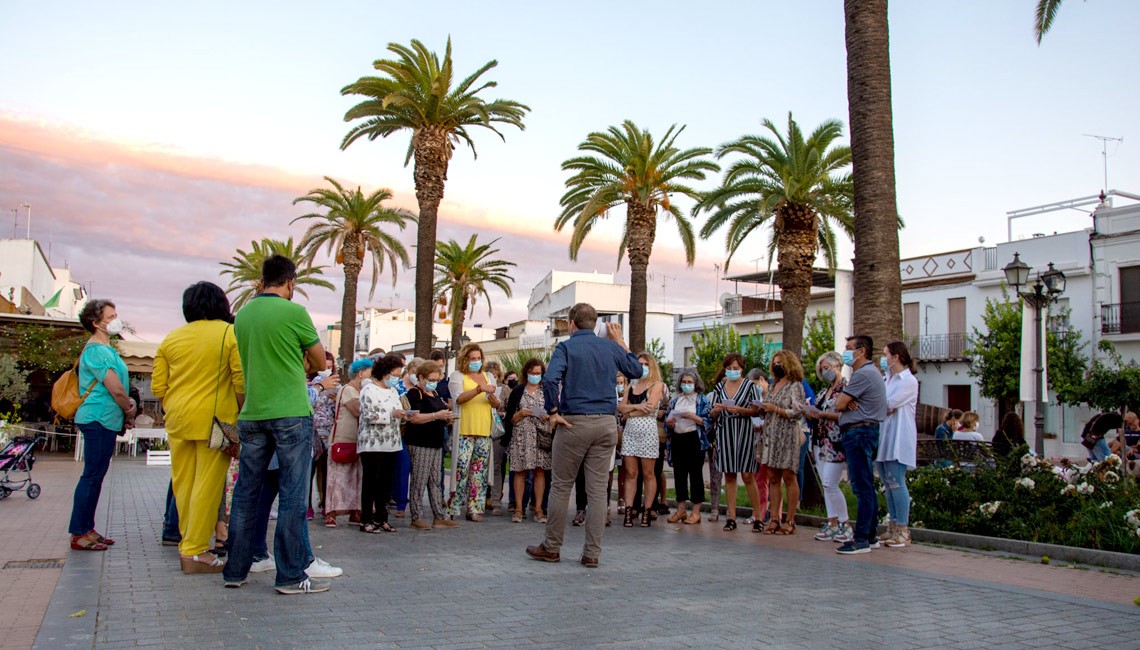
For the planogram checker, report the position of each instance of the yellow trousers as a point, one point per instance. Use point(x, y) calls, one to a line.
point(199, 477)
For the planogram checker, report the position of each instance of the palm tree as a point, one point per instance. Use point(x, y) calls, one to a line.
point(797, 187)
point(629, 167)
point(1043, 17)
point(462, 274)
point(244, 269)
point(878, 310)
point(352, 226)
point(416, 93)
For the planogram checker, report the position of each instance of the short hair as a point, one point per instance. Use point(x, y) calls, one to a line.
point(412, 367)
point(437, 355)
point(791, 363)
point(953, 414)
point(691, 373)
point(495, 368)
point(509, 373)
point(531, 363)
point(584, 316)
point(754, 374)
point(969, 419)
point(277, 270)
point(863, 341)
point(359, 366)
point(899, 349)
point(831, 356)
point(654, 368)
point(206, 301)
point(467, 351)
point(376, 352)
point(426, 368)
point(92, 313)
point(386, 365)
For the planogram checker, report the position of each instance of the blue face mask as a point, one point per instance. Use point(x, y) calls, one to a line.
point(391, 381)
point(849, 357)
point(645, 372)
point(475, 366)
point(620, 389)
point(688, 388)
point(732, 375)
point(883, 363)
point(431, 385)
point(534, 379)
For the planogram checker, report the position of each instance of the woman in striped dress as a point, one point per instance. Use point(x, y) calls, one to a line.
point(733, 409)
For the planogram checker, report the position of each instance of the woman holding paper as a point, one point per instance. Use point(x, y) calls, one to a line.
point(735, 440)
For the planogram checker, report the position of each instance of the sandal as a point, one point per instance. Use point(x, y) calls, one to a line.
point(729, 525)
point(693, 518)
point(676, 516)
point(579, 518)
point(757, 526)
point(202, 563)
point(516, 517)
point(786, 529)
point(772, 527)
point(85, 543)
point(539, 516)
point(715, 516)
point(371, 529)
point(99, 538)
point(476, 517)
point(647, 517)
point(628, 521)
point(220, 549)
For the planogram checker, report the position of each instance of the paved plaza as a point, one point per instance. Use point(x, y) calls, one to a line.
point(666, 587)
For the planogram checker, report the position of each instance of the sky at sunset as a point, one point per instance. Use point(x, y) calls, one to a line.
point(154, 139)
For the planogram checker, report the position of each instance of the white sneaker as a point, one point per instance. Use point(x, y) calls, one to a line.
point(827, 533)
point(261, 566)
point(845, 534)
point(321, 569)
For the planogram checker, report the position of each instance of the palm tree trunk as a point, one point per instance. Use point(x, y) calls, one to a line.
point(795, 259)
point(878, 305)
point(642, 230)
point(348, 305)
point(432, 152)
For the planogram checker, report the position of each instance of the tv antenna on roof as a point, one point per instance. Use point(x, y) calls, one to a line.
point(1104, 140)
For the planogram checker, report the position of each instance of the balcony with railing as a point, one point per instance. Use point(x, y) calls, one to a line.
point(1121, 318)
point(939, 347)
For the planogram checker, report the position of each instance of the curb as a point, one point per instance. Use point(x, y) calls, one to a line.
point(78, 589)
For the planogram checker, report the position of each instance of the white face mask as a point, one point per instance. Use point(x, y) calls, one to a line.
point(114, 328)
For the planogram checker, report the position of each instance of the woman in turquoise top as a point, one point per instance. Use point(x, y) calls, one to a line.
point(106, 411)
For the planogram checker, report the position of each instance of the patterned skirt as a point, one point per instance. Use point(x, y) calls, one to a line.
point(640, 437)
point(342, 494)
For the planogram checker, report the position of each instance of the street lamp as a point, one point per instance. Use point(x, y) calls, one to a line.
point(1045, 289)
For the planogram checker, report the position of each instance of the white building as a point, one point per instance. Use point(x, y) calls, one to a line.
point(944, 296)
point(32, 286)
point(395, 329)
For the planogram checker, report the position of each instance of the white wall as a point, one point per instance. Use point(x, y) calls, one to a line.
point(23, 264)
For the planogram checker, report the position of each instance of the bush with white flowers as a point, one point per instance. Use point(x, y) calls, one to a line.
point(1026, 483)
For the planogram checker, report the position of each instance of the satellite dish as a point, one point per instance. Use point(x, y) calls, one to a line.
point(981, 240)
point(725, 298)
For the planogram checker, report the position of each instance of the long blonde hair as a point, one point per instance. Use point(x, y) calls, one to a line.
point(654, 369)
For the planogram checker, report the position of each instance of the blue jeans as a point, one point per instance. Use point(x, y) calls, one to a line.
point(1099, 452)
point(861, 444)
point(170, 519)
point(803, 462)
point(400, 484)
point(893, 475)
point(269, 489)
point(98, 446)
point(292, 440)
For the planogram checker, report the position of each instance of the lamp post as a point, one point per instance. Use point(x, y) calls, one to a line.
point(1044, 289)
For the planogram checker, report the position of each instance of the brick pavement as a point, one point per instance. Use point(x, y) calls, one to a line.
point(33, 530)
point(668, 586)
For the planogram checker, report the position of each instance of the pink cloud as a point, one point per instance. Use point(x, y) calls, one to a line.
point(142, 223)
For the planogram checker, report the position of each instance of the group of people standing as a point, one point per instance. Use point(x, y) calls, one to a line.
point(382, 435)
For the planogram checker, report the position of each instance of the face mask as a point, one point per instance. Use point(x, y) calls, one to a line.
point(512, 382)
point(114, 328)
point(391, 381)
point(431, 385)
point(620, 389)
point(688, 388)
point(883, 363)
point(475, 366)
point(534, 380)
point(778, 372)
point(323, 375)
point(413, 378)
point(645, 372)
point(732, 375)
point(829, 376)
point(848, 357)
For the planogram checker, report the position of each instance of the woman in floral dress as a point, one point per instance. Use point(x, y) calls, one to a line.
point(379, 442)
point(783, 437)
point(829, 456)
point(526, 410)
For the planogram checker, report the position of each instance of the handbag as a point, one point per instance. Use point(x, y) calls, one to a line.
point(545, 439)
point(224, 436)
point(497, 429)
point(341, 452)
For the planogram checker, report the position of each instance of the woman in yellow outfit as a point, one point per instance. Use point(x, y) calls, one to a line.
point(475, 398)
point(197, 375)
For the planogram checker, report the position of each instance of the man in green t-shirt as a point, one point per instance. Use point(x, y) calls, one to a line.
point(277, 341)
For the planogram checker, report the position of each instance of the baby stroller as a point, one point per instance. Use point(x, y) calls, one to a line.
point(17, 458)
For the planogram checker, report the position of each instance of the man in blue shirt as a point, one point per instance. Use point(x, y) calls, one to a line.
point(580, 382)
